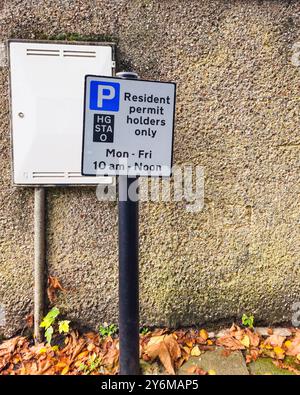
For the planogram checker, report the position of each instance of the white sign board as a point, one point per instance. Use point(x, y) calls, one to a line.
point(46, 84)
point(128, 127)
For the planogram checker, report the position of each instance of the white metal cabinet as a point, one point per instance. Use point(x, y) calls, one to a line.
point(47, 91)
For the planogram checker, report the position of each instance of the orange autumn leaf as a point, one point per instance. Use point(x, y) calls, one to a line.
point(82, 355)
point(293, 348)
point(65, 370)
point(275, 340)
point(167, 350)
point(279, 352)
point(254, 338)
point(203, 334)
point(230, 342)
point(53, 286)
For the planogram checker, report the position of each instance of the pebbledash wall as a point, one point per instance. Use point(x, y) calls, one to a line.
point(236, 66)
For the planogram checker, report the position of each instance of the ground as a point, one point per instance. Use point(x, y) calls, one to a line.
point(233, 351)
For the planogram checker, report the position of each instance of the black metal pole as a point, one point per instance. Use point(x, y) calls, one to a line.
point(128, 272)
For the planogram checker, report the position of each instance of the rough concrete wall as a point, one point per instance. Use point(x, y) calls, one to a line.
point(237, 116)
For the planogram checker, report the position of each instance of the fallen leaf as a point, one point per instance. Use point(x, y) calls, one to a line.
point(173, 347)
point(248, 358)
point(53, 286)
point(195, 352)
point(287, 344)
point(245, 341)
point(254, 354)
point(29, 320)
point(83, 354)
point(166, 349)
point(65, 370)
point(161, 350)
point(91, 347)
point(275, 340)
point(280, 354)
point(230, 342)
point(155, 340)
point(61, 365)
point(212, 372)
point(294, 347)
point(186, 349)
point(201, 372)
point(237, 332)
point(203, 334)
point(225, 352)
point(254, 338)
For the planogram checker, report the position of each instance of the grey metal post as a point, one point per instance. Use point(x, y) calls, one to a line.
point(39, 260)
point(128, 272)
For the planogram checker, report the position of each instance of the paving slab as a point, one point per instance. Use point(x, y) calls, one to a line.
point(265, 366)
point(264, 331)
point(148, 368)
point(219, 361)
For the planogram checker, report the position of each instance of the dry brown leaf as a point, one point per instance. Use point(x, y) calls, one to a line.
point(165, 358)
point(201, 372)
point(111, 357)
point(156, 340)
point(237, 332)
point(225, 352)
point(163, 350)
point(230, 342)
point(254, 338)
point(180, 333)
point(159, 331)
point(186, 349)
point(8, 346)
point(29, 320)
point(248, 358)
point(53, 286)
point(275, 340)
point(180, 361)
point(80, 344)
point(82, 355)
point(293, 348)
point(173, 347)
point(252, 356)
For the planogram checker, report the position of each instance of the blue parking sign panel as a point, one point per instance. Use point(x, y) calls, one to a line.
point(104, 96)
point(128, 127)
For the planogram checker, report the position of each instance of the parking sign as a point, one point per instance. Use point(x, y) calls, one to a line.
point(128, 127)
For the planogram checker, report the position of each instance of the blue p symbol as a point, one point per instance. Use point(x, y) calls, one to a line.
point(104, 96)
